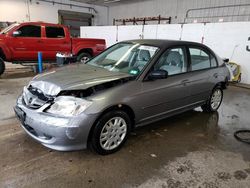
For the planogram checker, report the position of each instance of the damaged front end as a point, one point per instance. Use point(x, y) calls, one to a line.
point(83, 93)
point(55, 117)
point(66, 102)
point(56, 122)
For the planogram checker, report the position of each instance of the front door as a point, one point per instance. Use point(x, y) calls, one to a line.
point(166, 95)
point(27, 43)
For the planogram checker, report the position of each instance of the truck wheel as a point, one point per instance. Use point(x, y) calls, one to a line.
point(83, 57)
point(2, 66)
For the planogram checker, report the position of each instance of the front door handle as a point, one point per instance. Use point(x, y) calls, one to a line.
point(39, 41)
point(216, 75)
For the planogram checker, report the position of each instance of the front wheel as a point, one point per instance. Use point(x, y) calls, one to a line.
point(214, 101)
point(2, 66)
point(83, 57)
point(110, 132)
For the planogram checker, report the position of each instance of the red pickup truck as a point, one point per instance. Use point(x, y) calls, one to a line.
point(20, 43)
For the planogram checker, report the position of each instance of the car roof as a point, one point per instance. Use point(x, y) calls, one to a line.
point(164, 43)
point(42, 23)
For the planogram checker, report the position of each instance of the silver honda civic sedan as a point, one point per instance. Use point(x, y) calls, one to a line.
point(131, 84)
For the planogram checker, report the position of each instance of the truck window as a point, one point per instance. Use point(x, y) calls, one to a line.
point(55, 32)
point(30, 31)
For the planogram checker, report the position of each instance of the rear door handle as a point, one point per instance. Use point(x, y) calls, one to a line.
point(216, 75)
point(39, 41)
point(184, 82)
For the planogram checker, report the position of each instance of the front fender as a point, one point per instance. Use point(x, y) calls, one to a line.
point(5, 50)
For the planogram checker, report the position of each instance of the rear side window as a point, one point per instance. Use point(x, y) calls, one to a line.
point(199, 59)
point(29, 31)
point(55, 32)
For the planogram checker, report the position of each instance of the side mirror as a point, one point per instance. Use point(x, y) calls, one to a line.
point(16, 33)
point(158, 74)
point(226, 60)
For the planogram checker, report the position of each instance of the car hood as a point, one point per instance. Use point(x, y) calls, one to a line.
point(74, 77)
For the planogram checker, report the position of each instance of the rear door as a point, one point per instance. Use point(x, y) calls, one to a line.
point(26, 45)
point(165, 96)
point(201, 76)
point(56, 40)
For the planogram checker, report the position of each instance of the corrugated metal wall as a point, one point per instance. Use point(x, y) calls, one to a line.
point(177, 10)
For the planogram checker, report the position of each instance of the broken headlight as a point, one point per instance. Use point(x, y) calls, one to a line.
point(68, 106)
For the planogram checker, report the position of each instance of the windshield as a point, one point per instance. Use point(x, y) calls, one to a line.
point(125, 57)
point(5, 30)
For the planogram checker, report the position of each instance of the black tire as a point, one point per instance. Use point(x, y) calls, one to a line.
point(207, 107)
point(95, 141)
point(2, 66)
point(84, 57)
point(243, 135)
point(239, 79)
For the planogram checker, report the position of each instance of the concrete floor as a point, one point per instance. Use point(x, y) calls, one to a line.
point(194, 149)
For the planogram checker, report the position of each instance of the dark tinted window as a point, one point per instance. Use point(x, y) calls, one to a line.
point(199, 59)
point(30, 31)
point(55, 32)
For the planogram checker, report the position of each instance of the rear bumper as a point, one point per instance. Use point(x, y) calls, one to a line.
point(58, 133)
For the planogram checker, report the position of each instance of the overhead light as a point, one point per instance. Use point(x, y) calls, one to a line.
point(111, 1)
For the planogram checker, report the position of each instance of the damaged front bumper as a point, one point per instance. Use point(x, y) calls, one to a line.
point(55, 132)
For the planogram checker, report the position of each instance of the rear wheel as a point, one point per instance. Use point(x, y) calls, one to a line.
point(214, 101)
point(239, 79)
point(2, 66)
point(110, 132)
point(84, 57)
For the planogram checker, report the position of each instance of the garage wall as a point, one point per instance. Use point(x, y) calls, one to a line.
point(177, 9)
point(233, 44)
point(25, 10)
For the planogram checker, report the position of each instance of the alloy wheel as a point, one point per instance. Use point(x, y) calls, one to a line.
point(113, 133)
point(84, 59)
point(216, 99)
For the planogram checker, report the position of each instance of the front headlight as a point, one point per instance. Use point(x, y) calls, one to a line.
point(68, 106)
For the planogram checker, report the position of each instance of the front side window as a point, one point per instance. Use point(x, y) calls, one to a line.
point(199, 59)
point(125, 57)
point(29, 31)
point(174, 61)
point(54, 32)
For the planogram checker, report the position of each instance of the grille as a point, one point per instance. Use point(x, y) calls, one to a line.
point(34, 98)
